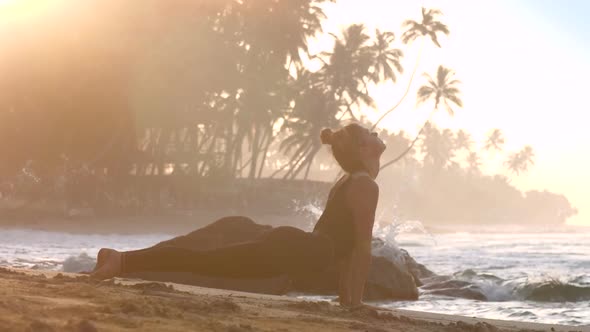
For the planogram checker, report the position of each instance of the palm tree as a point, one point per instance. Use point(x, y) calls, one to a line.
point(430, 27)
point(347, 69)
point(474, 162)
point(343, 80)
point(513, 163)
point(299, 21)
point(528, 155)
point(265, 68)
point(463, 140)
point(314, 108)
point(443, 92)
point(437, 147)
point(387, 59)
point(495, 141)
point(520, 162)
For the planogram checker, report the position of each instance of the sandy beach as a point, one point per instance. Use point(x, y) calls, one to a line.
point(49, 301)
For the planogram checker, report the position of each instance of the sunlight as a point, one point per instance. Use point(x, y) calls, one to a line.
point(10, 5)
point(18, 10)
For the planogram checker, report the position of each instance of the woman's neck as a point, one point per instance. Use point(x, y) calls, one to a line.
point(372, 168)
point(362, 173)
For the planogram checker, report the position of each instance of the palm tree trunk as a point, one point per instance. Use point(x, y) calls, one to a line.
point(310, 163)
point(163, 140)
point(306, 162)
point(236, 151)
point(296, 157)
point(255, 151)
point(292, 173)
point(206, 161)
point(243, 166)
point(264, 153)
point(261, 153)
point(411, 144)
point(407, 88)
point(279, 170)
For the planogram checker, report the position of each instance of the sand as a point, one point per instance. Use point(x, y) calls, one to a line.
point(40, 301)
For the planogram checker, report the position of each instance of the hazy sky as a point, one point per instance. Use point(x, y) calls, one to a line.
point(524, 70)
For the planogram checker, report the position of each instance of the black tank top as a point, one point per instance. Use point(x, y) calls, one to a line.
point(336, 221)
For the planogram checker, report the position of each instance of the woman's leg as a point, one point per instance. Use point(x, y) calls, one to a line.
point(283, 250)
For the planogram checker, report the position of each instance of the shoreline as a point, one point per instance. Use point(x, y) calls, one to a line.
point(74, 302)
point(173, 223)
point(182, 222)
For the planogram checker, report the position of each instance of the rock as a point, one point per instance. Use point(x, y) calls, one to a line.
point(386, 280)
point(451, 283)
point(418, 271)
point(470, 293)
point(445, 286)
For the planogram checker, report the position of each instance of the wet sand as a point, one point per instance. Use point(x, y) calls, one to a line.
point(50, 301)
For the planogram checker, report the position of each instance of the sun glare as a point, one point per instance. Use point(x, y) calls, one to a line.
point(17, 10)
point(9, 4)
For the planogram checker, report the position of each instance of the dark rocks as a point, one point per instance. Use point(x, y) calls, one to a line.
point(385, 282)
point(446, 286)
point(417, 270)
point(470, 293)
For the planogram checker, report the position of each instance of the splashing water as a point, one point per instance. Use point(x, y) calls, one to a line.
point(384, 238)
point(311, 212)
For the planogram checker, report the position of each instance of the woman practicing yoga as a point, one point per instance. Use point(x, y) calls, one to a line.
point(342, 235)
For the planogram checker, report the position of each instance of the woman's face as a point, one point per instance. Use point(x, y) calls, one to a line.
point(372, 146)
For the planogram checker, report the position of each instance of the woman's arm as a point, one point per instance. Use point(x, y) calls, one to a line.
point(344, 282)
point(363, 196)
point(360, 263)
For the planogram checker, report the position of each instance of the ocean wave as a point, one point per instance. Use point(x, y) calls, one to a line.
point(413, 244)
point(469, 284)
point(80, 263)
point(554, 291)
point(522, 314)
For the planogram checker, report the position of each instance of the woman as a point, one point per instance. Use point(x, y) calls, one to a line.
point(342, 235)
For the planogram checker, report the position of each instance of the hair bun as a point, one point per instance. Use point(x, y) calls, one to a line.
point(326, 136)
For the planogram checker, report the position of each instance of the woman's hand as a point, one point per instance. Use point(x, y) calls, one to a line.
point(361, 306)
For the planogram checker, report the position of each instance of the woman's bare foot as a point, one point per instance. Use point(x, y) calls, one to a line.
point(108, 264)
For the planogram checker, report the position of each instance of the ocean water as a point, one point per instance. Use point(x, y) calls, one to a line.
point(536, 277)
point(52, 250)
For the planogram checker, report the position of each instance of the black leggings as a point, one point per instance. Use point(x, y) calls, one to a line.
point(282, 250)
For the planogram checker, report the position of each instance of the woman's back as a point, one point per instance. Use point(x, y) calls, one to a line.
point(336, 221)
